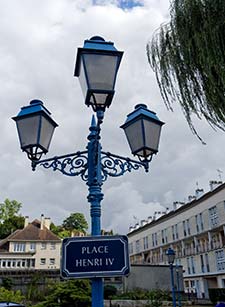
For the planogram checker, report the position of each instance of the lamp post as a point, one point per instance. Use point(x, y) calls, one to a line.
point(171, 256)
point(97, 64)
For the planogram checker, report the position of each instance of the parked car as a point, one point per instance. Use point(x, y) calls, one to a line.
point(10, 304)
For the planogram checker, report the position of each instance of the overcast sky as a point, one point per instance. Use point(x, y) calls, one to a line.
point(38, 43)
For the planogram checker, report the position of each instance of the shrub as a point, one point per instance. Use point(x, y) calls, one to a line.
point(69, 293)
point(216, 294)
point(156, 297)
point(109, 291)
point(11, 296)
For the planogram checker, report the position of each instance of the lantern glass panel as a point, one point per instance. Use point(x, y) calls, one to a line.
point(28, 130)
point(171, 258)
point(47, 130)
point(134, 134)
point(152, 134)
point(101, 70)
point(98, 99)
point(83, 79)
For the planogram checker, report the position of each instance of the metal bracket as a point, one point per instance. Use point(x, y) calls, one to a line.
point(76, 164)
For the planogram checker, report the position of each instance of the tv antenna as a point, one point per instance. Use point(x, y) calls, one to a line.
point(219, 174)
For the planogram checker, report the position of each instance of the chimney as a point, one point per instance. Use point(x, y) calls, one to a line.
point(149, 219)
point(42, 221)
point(136, 226)
point(177, 205)
point(143, 222)
point(26, 221)
point(199, 193)
point(47, 222)
point(213, 184)
point(191, 198)
point(131, 228)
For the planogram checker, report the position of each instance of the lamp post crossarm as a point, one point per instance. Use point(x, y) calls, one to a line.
point(73, 164)
point(115, 166)
point(76, 164)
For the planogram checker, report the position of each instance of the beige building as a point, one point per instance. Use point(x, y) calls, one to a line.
point(34, 247)
point(195, 230)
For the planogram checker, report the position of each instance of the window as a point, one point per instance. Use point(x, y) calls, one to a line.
point(43, 245)
point(32, 263)
point(220, 260)
point(138, 246)
point(188, 266)
point(52, 245)
point(19, 247)
point(188, 227)
point(202, 263)
point(154, 239)
point(213, 217)
point(193, 265)
point(199, 222)
point(131, 250)
point(164, 236)
point(207, 263)
point(32, 246)
point(145, 242)
point(184, 229)
point(175, 232)
point(52, 261)
point(43, 261)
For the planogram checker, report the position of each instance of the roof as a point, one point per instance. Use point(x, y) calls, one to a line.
point(32, 232)
point(183, 208)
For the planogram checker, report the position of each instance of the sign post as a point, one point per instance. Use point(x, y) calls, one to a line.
point(95, 256)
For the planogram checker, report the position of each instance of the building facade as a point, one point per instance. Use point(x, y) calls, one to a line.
point(196, 232)
point(34, 247)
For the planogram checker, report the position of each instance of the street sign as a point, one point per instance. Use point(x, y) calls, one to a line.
point(96, 256)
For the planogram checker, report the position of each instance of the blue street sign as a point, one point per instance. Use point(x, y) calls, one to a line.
point(96, 256)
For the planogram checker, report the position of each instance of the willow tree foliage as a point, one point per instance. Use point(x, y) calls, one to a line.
point(188, 57)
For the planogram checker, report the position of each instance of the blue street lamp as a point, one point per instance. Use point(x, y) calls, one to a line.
point(171, 257)
point(96, 66)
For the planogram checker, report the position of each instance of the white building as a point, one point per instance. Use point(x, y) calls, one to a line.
point(195, 231)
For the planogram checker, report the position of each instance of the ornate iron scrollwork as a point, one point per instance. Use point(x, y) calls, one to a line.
point(74, 164)
point(115, 166)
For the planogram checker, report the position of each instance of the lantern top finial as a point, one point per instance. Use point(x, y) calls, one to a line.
point(36, 101)
point(140, 105)
point(97, 38)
